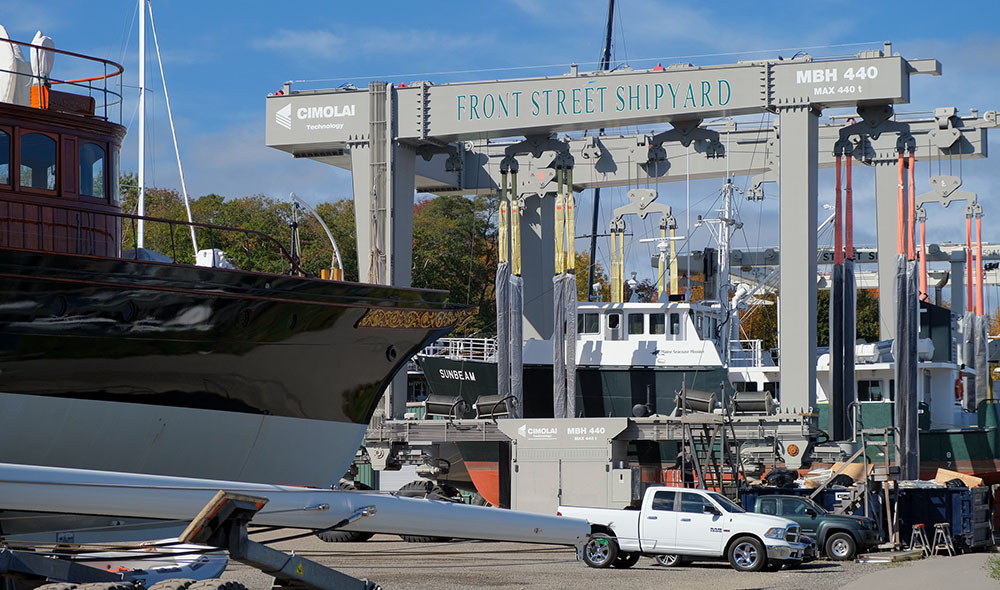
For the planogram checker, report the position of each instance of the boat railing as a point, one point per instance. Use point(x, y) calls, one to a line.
point(747, 353)
point(96, 79)
point(68, 229)
point(474, 349)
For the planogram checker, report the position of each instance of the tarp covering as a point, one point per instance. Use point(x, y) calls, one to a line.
point(968, 346)
point(558, 348)
point(850, 336)
point(838, 414)
point(908, 451)
point(515, 344)
point(569, 293)
point(503, 328)
point(980, 363)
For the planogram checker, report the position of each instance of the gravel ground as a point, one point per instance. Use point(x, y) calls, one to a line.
point(395, 564)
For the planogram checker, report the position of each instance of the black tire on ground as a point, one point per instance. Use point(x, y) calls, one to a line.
point(347, 536)
point(747, 554)
point(669, 560)
point(840, 547)
point(626, 560)
point(423, 539)
point(106, 586)
point(344, 536)
point(172, 584)
point(479, 500)
point(600, 551)
point(217, 584)
point(423, 488)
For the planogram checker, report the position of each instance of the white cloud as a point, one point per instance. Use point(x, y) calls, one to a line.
point(315, 44)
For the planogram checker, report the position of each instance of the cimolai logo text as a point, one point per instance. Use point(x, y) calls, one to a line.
point(324, 113)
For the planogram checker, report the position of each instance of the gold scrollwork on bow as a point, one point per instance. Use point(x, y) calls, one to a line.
point(414, 318)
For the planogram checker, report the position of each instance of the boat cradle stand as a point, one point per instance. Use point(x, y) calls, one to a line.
point(223, 524)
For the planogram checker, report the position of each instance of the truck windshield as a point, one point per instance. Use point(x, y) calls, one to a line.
point(727, 504)
point(800, 505)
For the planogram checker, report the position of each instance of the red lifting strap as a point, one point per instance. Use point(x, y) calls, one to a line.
point(910, 213)
point(849, 211)
point(901, 212)
point(838, 252)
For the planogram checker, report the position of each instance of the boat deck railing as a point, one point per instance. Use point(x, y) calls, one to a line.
point(97, 79)
point(473, 349)
point(47, 227)
point(748, 353)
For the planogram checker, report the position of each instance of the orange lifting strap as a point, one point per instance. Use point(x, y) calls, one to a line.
point(969, 301)
point(848, 211)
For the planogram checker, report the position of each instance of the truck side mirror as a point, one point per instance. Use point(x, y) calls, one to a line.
point(710, 510)
point(811, 512)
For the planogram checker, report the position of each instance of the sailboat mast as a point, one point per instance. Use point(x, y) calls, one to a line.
point(605, 64)
point(140, 226)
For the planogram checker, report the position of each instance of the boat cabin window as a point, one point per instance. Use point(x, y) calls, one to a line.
point(656, 323)
point(635, 323)
point(614, 326)
point(38, 162)
point(874, 391)
point(588, 323)
point(4, 157)
point(675, 324)
point(92, 170)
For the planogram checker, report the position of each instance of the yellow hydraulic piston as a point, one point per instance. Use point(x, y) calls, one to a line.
point(570, 227)
point(661, 266)
point(503, 221)
point(560, 230)
point(515, 227)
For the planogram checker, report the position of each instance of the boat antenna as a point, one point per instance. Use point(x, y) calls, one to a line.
point(336, 264)
point(173, 133)
point(141, 225)
point(605, 64)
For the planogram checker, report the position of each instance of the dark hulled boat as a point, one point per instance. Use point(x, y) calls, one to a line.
point(118, 363)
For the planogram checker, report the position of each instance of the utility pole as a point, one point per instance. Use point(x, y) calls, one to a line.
point(605, 64)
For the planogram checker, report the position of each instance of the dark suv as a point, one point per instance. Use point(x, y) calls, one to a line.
point(839, 536)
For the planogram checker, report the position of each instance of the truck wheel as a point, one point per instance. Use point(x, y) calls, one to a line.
point(669, 560)
point(626, 560)
point(600, 551)
point(746, 554)
point(840, 547)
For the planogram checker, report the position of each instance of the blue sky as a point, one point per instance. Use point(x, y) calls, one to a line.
point(222, 58)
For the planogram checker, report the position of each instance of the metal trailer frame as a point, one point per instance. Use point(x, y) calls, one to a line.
point(220, 512)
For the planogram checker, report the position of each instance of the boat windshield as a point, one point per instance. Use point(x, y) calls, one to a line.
point(727, 504)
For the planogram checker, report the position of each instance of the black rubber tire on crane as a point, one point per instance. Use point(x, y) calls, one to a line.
point(172, 584)
point(427, 489)
point(336, 536)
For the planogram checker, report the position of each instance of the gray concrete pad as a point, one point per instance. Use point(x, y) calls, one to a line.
point(460, 565)
point(964, 572)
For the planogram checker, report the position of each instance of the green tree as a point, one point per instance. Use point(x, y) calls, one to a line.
point(583, 275)
point(454, 248)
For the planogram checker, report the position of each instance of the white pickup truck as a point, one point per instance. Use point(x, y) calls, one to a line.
point(678, 523)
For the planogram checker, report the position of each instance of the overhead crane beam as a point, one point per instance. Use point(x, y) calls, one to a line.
point(384, 128)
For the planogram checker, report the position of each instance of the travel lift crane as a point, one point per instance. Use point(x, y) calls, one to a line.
point(379, 132)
